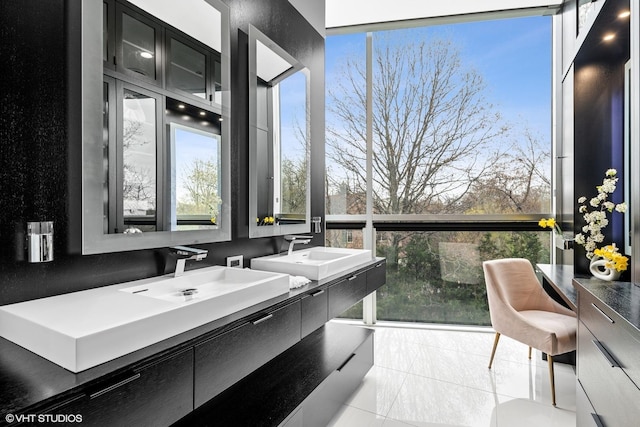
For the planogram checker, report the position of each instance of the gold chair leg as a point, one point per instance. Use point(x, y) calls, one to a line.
point(495, 345)
point(552, 380)
point(529, 353)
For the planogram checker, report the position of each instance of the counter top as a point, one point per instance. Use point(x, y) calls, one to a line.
point(621, 297)
point(29, 382)
point(560, 277)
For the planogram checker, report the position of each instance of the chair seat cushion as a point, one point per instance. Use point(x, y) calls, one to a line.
point(554, 333)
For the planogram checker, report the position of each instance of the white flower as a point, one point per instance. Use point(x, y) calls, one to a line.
point(621, 207)
point(611, 172)
point(579, 239)
point(609, 206)
point(582, 199)
point(594, 202)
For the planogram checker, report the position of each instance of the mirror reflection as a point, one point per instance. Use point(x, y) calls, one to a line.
point(279, 157)
point(164, 152)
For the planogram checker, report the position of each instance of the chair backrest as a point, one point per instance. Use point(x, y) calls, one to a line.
point(512, 285)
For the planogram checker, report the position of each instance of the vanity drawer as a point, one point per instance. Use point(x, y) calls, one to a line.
point(376, 277)
point(613, 395)
point(155, 395)
point(615, 333)
point(314, 309)
point(346, 293)
point(327, 399)
point(225, 359)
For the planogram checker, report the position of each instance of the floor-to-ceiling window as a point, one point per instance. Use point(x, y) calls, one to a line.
point(440, 137)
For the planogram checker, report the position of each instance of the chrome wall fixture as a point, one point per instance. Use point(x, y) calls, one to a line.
point(40, 241)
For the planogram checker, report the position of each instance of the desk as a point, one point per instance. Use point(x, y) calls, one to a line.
point(557, 280)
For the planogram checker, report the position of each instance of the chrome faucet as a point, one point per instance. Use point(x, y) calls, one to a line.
point(293, 239)
point(185, 253)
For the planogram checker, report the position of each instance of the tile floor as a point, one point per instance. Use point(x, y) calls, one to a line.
point(439, 377)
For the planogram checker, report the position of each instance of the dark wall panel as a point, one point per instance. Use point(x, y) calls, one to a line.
point(39, 165)
point(599, 142)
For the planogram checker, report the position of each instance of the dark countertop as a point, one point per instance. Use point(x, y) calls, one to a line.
point(560, 277)
point(621, 297)
point(29, 382)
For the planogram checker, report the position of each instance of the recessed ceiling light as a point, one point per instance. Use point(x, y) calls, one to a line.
point(185, 117)
point(146, 55)
point(181, 106)
point(624, 14)
point(202, 113)
point(205, 123)
point(608, 37)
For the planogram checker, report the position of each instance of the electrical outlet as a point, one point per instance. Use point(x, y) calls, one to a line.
point(235, 261)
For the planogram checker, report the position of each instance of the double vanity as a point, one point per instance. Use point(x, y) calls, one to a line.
point(153, 351)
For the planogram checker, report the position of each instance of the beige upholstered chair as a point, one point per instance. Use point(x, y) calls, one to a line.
point(523, 311)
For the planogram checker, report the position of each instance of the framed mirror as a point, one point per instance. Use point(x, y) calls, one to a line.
point(155, 124)
point(279, 140)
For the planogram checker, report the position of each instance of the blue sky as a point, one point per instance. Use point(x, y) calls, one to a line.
point(513, 56)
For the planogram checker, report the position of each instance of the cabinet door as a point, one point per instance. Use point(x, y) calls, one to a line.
point(616, 334)
point(314, 311)
point(326, 400)
point(188, 68)
point(225, 359)
point(108, 34)
point(138, 46)
point(613, 395)
point(346, 293)
point(376, 276)
point(155, 395)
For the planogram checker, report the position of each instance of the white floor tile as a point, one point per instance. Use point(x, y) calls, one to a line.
point(433, 377)
point(349, 416)
point(378, 390)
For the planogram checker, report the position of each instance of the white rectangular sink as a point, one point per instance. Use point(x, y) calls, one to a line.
point(315, 263)
point(83, 329)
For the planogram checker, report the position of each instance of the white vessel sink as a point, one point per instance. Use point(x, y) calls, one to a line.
point(314, 263)
point(83, 329)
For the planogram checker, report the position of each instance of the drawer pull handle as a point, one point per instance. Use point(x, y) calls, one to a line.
point(378, 265)
point(114, 386)
point(262, 319)
point(596, 420)
point(346, 361)
point(320, 292)
point(354, 277)
point(605, 354)
point(603, 313)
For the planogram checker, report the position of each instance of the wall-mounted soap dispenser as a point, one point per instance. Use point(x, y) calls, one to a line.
point(40, 241)
point(317, 220)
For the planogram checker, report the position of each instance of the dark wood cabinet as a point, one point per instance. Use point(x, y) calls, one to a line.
point(225, 359)
point(346, 293)
point(325, 401)
point(157, 394)
point(607, 366)
point(376, 276)
point(314, 311)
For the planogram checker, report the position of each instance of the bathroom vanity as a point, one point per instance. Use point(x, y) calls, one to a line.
point(608, 367)
point(270, 363)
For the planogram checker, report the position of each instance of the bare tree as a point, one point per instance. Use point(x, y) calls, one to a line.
point(433, 129)
point(432, 126)
point(201, 183)
point(518, 183)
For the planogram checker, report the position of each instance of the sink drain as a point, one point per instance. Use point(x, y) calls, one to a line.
point(188, 293)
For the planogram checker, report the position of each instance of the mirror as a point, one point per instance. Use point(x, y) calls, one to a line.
point(155, 115)
point(279, 142)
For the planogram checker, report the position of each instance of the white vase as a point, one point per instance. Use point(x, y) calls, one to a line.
point(600, 271)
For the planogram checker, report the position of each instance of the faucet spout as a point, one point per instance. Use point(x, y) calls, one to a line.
point(294, 239)
point(185, 253)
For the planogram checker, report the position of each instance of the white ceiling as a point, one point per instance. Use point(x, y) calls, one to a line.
point(343, 13)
